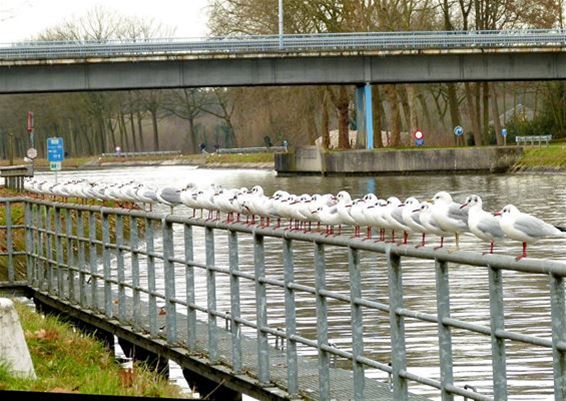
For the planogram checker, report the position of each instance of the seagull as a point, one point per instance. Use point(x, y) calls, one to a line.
point(449, 216)
point(393, 214)
point(411, 217)
point(482, 224)
point(329, 216)
point(526, 228)
point(429, 222)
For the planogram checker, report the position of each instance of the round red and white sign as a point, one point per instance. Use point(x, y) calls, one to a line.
point(418, 134)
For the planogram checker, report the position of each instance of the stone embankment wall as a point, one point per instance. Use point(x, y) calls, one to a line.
point(309, 160)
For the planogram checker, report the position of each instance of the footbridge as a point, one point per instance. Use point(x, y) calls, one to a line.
point(280, 314)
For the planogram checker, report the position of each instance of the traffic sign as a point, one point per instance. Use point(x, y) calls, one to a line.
point(31, 153)
point(55, 149)
point(458, 130)
point(54, 166)
point(419, 142)
point(418, 134)
point(504, 132)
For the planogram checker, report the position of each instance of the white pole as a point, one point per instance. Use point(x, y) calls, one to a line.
point(281, 24)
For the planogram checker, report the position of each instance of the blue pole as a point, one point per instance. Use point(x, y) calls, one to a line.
point(368, 113)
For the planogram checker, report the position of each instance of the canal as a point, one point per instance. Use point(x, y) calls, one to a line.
point(526, 296)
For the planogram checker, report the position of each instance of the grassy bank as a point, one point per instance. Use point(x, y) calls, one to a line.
point(551, 157)
point(67, 361)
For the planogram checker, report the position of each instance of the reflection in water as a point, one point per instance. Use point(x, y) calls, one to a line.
point(527, 301)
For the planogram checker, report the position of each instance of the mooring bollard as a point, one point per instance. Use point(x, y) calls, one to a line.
point(13, 347)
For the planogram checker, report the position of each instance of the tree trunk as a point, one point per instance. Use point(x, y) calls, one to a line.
point(453, 107)
point(123, 133)
point(485, 108)
point(403, 98)
point(472, 113)
point(395, 138)
point(155, 130)
point(343, 108)
point(412, 102)
point(495, 113)
point(325, 125)
point(133, 128)
point(377, 110)
point(140, 131)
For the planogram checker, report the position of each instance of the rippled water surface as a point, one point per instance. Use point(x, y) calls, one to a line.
point(527, 302)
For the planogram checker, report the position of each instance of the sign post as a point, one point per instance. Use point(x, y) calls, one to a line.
point(504, 135)
point(419, 137)
point(55, 154)
point(458, 131)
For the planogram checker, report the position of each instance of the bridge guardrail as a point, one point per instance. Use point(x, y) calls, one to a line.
point(356, 41)
point(65, 242)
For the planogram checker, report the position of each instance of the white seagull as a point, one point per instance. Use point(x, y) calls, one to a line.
point(482, 224)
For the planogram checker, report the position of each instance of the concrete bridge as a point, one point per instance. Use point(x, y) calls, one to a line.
point(135, 275)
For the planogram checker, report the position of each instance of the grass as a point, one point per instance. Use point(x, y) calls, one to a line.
point(65, 360)
point(551, 157)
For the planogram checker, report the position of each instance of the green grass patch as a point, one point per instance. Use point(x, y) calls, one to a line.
point(65, 360)
point(544, 157)
point(240, 158)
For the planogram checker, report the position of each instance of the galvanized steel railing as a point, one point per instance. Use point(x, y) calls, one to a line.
point(65, 245)
point(329, 42)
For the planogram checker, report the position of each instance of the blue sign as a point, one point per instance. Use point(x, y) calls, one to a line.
point(458, 131)
point(504, 132)
point(419, 142)
point(55, 150)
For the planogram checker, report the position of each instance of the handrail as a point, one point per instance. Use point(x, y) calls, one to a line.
point(355, 41)
point(78, 253)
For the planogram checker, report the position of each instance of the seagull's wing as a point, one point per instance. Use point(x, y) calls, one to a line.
point(491, 227)
point(416, 216)
point(454, 212)
point(534, 227)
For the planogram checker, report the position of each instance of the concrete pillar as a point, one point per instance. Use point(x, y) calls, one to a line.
point(152, 360)
point(364, 115)
point(13, 347)
point(210, 389)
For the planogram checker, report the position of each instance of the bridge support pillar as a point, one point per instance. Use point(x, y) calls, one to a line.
point(209, 389)
point(364, 116)
point(152, 360)
point(106, 337)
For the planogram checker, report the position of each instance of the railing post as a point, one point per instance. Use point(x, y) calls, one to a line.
point(152, 301)
point(134, 246)
point(261, 309)
point(398, 350)
point(357, 322)
point(497, 343)
point(106, 265)
point(444, 334)
point(169, 272)
point(59, 253)
point(82, 258)
point(290, 319)
point(321, 322)
point(29, 243)
point(92, 253)
point(49, 249)
point(10, 242)
point(70, 262)
point(235, 301)
point(120, 268)
point(190, 288)
point(558, 314)
point(41, 272)
point(36, 243)
point(211, 295)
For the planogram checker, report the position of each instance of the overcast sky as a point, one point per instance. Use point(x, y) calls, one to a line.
point(22, 19)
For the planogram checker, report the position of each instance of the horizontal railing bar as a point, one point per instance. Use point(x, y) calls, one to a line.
point(420, 379)
point(467, 393)
point(508, 335)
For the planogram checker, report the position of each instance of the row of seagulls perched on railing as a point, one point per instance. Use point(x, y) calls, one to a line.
point(440, 215)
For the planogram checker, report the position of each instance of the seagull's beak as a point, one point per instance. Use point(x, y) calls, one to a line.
point(401, 205)
point(370, 207)
point(463, 205)
point(429, 200)
point(497, 214)
point(314, 212)
point(416, 210)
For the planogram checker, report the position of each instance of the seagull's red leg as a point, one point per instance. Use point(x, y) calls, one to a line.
point(441, 243)
point(524, 255)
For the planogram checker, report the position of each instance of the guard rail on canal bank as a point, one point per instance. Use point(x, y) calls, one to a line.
point(103, 266)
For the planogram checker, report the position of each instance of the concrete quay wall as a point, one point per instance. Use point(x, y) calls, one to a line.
point(312, 160)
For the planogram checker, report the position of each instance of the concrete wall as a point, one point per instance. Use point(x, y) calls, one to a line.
point(484, 159)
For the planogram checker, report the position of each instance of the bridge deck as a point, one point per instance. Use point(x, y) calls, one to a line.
point(341, 383)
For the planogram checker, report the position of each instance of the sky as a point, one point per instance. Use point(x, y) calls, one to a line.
point(23, 19)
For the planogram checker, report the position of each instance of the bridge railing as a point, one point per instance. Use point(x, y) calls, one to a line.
point(417, 40)
point(148, 269)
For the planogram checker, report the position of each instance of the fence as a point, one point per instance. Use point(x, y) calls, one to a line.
point(141, 154)
point(111, 260)
point(534, 138)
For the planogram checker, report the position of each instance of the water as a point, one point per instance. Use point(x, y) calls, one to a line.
point(527, 303)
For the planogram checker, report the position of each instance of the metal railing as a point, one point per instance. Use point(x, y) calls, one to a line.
point(142, 154)
point(329, 42)
point(532, 139)
point(110, 259)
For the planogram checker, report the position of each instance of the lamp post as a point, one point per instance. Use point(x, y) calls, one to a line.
point(280, 24)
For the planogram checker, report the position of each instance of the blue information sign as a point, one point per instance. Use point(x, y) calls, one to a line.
point(503, 132)
point(419, 142)
point(55, 150)
point(458, 131)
